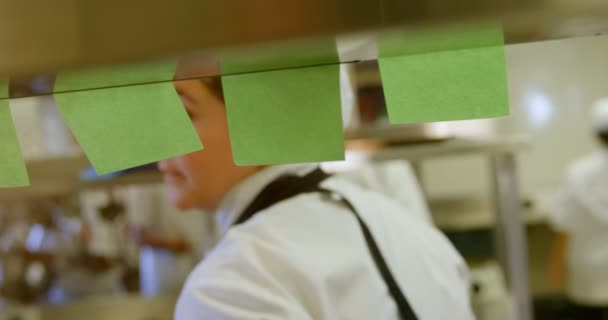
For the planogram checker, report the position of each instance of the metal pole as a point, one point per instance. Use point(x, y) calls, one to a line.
point(509, 232)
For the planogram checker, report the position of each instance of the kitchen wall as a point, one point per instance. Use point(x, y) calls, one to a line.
point(552, 86)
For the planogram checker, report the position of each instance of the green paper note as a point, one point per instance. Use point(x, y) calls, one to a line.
point(124, 127)
point(441, 76)
point(408, 42)
point(12, 167)
point(285, 116)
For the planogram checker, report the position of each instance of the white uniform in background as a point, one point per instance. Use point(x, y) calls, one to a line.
point(582, 213)
point(162, 271)
point(107, 240)
point(306, 258)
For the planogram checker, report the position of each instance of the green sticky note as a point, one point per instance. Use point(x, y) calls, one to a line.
point(128, 126)
point(12, 167)
point(443, 77)
point(114, 76)
point(402, 42)
point(285, 116)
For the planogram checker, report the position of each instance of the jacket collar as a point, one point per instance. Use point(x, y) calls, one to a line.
point(237, 199)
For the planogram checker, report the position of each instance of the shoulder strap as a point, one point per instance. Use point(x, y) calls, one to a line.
point(281, 189)
point(289, 186)
point(405, 310)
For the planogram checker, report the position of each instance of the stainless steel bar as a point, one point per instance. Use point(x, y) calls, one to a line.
point(39, 36)
point(510, 236)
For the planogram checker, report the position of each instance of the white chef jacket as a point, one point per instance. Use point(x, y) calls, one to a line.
point(582, 213)
point(395, 179)
point(306, 258)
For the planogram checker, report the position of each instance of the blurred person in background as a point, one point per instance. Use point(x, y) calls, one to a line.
point(580, 218)
point(100, 258)
point(372, 106)
point(298, 244)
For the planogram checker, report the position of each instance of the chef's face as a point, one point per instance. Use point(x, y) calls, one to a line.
point(200, 179)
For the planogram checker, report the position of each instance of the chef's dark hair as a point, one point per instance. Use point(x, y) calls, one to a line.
point(215, 85)
point(602, 135)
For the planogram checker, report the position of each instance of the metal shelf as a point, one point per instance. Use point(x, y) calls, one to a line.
point(443, 148)
point(454, 219)
point(61, 175)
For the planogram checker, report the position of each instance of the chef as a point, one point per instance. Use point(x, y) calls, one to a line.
point(580, 255)
point(298, 243)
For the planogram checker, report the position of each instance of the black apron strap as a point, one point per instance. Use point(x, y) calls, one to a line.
point(281, 189)
point(402, 304)
point(289, 186)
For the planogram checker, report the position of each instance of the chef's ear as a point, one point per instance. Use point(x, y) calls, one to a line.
point(214, 84)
